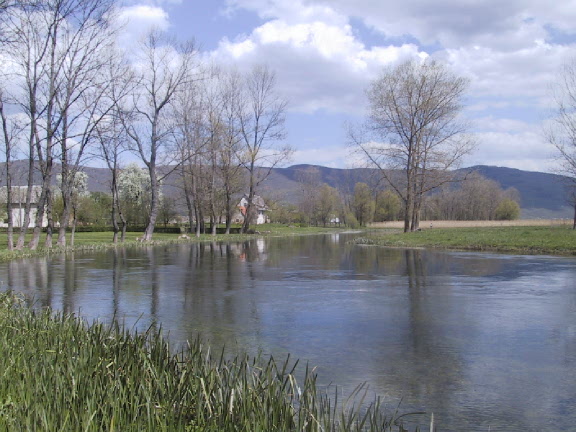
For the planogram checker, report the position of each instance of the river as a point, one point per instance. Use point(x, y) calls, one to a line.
point(484, 341)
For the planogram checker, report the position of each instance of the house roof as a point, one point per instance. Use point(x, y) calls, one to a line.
point(257, 201)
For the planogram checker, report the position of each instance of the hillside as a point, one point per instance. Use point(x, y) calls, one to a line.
point(542, 194)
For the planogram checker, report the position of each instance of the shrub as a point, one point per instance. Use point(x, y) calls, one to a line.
point(507, 210)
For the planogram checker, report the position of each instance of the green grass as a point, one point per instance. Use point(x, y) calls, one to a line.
point(556, 240)
point(60, 374)
point(101, 240)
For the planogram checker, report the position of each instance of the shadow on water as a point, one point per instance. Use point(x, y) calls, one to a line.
point(482, 340)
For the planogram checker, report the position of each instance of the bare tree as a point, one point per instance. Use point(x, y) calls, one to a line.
point(310, 182)
point(83, 98)
point(166, 68)
point(28, 32)
point(414, 134)
point(112, 140)
point(190, 144)
point(261, 116)
point(55, 47)
point(10, 131)
point(562, 131)
point(228, 160)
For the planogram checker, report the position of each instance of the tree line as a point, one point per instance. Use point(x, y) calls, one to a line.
point(70, 94)
point(473, 198)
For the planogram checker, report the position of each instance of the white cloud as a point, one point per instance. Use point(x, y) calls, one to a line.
point(493, 23)
point(520, 77)
point(137, 20)
point(523, 150)
point(509, 50)
point(319, 65)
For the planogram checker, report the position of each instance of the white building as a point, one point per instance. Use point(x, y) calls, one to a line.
point(260, 210)
point(19, 204)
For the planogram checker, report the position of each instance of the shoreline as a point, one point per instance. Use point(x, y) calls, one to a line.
point(517, 240)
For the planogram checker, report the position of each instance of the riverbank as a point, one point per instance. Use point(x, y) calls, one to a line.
point(88, 241)
point(543, 240)
point(61, 374)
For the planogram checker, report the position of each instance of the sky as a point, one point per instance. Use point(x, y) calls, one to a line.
point(326, 52)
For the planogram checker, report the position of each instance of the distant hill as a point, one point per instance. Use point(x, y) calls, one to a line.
point(542, 195)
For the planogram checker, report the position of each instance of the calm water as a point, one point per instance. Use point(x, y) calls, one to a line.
point(482, 340)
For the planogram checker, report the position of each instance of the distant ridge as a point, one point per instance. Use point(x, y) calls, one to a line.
point(542, 194)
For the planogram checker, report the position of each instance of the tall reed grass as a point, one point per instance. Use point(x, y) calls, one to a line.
point(61, 374)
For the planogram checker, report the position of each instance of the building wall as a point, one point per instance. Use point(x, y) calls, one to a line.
point(18, 217)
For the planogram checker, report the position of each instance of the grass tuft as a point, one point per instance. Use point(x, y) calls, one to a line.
point(61, 374)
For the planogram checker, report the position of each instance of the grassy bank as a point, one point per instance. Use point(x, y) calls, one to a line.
point(554, 240)
point(101, 240)
point(60, 374)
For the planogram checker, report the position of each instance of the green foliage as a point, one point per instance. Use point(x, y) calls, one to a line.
point(351, 220)
point(363, 204)
point(326, 204)
point(59, 374)
point(94, 208)
point(283, 213)
point(167, 210)
point(507, 209)
point(388, 206)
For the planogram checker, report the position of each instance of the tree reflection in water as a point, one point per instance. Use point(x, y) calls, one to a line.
point(479, 339)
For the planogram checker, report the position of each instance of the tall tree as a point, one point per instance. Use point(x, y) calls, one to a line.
point(261, 113)
point(112, 137)
point(10, 131)
point(363, 204)
point(55, 48)
point(328, 199)
point(562, 131)
point(165, 68)
point(228, 158)
point(414, 134)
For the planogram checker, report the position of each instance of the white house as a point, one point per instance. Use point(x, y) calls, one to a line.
point(19, 204)
point(260, 210)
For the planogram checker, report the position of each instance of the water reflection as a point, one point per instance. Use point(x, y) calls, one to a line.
point(481, 340)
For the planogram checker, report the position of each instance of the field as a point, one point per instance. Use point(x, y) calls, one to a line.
point(468, 224)
point(548, 239)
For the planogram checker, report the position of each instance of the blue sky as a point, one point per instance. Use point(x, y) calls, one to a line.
point(325, 53)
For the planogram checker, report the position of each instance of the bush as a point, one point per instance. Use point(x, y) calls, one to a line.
point(351, 220)
point(60, 374)
point(507, 210)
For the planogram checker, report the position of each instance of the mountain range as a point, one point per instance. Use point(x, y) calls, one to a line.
point(542, 195)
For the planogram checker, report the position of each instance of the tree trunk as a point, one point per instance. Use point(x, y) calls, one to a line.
point(246, 223)
point(73, 233)
point(198, 218)
point(154, 201)
point(408, 208)
point(228, 215)
point(28, 205)
point(8, 158)
point(65, 216)
point(50, 226)
point(213, 225)
point(124, 226)
point(115, 227)
point(42, 200)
